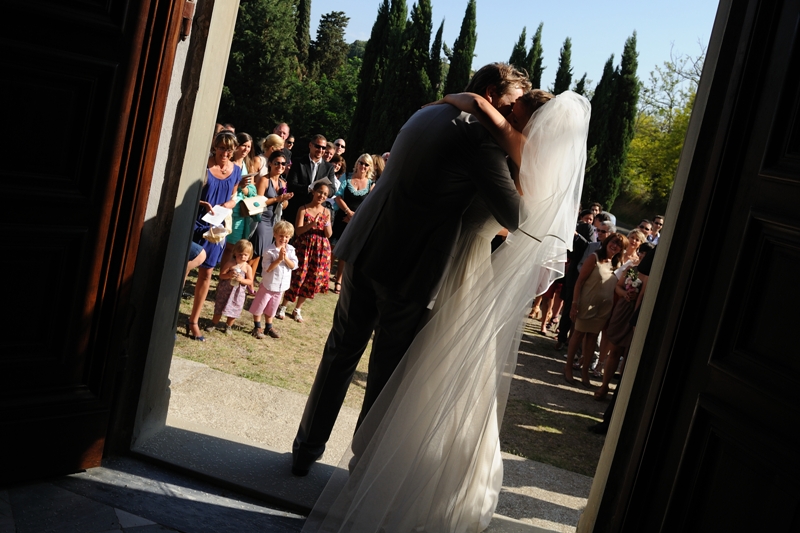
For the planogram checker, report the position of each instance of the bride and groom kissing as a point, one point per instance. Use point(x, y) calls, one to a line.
point(444, 314)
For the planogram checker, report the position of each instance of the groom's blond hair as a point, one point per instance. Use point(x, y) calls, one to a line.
point(502, 75)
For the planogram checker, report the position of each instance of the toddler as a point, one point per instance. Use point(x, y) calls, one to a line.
point(234, 278)
point(279, 261)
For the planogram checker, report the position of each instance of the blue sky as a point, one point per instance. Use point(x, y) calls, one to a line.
point(597, 28)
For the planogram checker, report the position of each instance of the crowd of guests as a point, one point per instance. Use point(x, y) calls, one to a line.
point(285, 215)
point(594, 307)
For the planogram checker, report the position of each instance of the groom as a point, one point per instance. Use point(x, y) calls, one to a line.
point(400, 244)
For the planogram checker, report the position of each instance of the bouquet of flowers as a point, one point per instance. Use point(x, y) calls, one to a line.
point(632, 280)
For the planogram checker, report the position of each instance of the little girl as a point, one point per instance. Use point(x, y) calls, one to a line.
point(234, 278)
point(313, 252)
point(279, 261)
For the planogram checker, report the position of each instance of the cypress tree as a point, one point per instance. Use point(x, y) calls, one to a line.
point(612, 126)
point(564, 72)
point(302, 39)
point(519, 53)
point(580, 86)
point(328, 52)
point(406, 86)
point(262, 66)
point(463, 51)
point(598, 131)
point(376, 53)
point(435, 64)
point(533, 63)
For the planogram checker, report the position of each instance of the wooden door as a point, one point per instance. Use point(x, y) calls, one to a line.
point(710, 440)
point(85, 83)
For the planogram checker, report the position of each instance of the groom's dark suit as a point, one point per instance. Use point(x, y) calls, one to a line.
point(398, 248)
point(298, 181)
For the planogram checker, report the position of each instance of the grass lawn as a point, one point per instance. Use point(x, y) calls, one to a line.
point(545, 419)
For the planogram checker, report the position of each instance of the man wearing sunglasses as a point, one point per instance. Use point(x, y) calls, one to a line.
point(306, 170)
point(658, 225)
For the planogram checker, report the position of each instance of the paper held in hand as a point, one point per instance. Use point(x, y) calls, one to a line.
point(218, 217)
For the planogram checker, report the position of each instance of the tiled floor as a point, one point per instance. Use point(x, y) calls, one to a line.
point(134, 497)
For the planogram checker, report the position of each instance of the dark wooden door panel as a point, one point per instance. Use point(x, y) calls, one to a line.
point(717, 448)
point(88, 79)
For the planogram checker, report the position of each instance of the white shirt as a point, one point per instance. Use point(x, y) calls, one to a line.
point(280, 277)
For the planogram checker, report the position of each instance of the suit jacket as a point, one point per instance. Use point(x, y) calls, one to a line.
point(403, 236)
point(298, 181)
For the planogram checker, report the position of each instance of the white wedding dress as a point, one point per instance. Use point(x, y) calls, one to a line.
point(427, 456)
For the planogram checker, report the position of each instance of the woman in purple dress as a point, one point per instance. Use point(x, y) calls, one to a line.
point(223, 178)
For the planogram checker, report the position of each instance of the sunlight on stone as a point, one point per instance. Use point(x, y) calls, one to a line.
point(543, 429)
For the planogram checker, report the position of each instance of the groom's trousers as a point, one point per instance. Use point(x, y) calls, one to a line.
point(364, 306)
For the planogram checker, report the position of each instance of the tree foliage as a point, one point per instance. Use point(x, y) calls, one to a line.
point(519, 53)
point(390, 20)
point(564, 72)
point(611, 127)
point(533, 62)
point(328, 52)
point(261, 66)
point(580, 85)
point(435, 64)
point(407, 86)
point(463, 51)
point(302, 38)
point(660, 129)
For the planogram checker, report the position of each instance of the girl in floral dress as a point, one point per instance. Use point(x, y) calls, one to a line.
point(313, 229)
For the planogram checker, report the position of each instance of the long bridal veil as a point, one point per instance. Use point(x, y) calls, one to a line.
point(425, 458)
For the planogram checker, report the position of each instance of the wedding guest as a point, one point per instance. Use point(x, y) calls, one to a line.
point(222, 181)
point(645, 226)
point(340, 146)
point(313, 253)
point(306, 170)
point(595, 208)
point(234, 278)
point(330, 151)
point(378, 164)
point(280, 259)
point(583, 233)
point(273, 187)
point(592, 302)
point(240, 227)
point(655, 235)
point(351, 193)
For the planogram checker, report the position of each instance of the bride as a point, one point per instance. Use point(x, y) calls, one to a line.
point(427, 456)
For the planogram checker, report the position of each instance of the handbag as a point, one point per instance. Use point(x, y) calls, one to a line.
point(253, 205)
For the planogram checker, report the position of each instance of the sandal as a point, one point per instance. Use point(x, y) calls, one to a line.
point(191, 335)
point(297, 315)
point(337, 288)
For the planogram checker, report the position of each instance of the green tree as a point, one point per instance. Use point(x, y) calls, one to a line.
point(302, 38)
point(463, 51)
point(356, 49)
point(328, 52)
point(533, 62)
point(519, 53)
point(325, 105)
point(564, 72)
point(406, 86)
point(435, 64)
point(389, 23)
point(665, 108)
point(261, 67)
point(617, 113)
point(598, 131)
point(580, 85)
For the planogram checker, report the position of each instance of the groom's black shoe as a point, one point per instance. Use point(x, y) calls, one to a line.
point(302, 461)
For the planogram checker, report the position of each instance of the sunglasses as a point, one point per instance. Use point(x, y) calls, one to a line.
point(364, 164)
point(319, 146)
point(657, 224)
point(645, 228)
point(279, 163)
point(338, 145)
